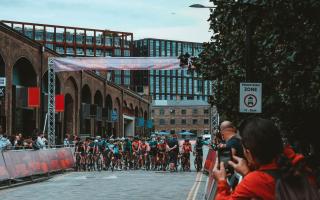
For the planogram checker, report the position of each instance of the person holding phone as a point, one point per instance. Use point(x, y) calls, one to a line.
point(257, 134)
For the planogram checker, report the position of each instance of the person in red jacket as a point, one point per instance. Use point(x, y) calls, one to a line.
point(263, 149)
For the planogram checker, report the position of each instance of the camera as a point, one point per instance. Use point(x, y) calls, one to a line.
point(225, 155)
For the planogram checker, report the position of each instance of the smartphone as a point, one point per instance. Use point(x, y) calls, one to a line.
point(225, 155)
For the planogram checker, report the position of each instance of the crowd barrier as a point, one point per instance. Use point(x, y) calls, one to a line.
point(24, 163)
point(208, 167)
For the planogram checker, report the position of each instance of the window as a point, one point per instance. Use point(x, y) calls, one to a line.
point(205, 111)
point(194, 121)
point(162, 121)
point(183, 121)
point(206, 121)
point(183, 112)
point(172, 121)
point(152, 111)
point(161, 111)
point(194, 111)
point(172, 111)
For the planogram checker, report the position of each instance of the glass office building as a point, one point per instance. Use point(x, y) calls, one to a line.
point(174, 84)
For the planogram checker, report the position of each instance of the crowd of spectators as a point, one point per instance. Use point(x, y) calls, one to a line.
point(17, 142)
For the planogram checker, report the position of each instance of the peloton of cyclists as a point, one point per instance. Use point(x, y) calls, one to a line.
point(154, 153)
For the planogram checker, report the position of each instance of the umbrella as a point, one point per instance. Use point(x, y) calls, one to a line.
point(186, 133)
point(162, 133)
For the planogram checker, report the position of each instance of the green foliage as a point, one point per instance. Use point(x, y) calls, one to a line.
point(285, 53)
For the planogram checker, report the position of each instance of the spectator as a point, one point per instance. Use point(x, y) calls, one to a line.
point(41, 141)
point(229, 135)
point(257, 135)
point(66, 141)
point(4, 142)
point(28, 142)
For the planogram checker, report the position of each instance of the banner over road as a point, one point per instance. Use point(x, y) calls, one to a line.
point(62, 64)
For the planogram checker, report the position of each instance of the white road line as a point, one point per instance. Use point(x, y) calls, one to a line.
point(195, 188)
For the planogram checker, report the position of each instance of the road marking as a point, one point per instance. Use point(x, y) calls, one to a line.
point(195, 188)
point(111, 177)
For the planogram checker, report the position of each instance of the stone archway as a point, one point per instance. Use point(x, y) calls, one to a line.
point(23, 118)
point(98, 99)
point(85, 111)
point(71, 104)
point(69, 115)
point(107, 112)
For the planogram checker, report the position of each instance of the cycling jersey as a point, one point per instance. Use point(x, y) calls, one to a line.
point(186, 147)
point(162, 147)
point(144, 147)
point(115, 149)
point(135, 146)
point(127, 146)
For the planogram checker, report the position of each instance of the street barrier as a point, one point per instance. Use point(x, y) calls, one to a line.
point(209, 164)
point(208, 167)
point(4, 174)
point(24, 163)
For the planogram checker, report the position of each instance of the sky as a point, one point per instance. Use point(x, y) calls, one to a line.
point(163, 19)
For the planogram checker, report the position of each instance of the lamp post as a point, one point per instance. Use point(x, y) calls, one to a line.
point(214, 114)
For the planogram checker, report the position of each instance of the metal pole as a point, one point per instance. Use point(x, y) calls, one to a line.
point(51, 103)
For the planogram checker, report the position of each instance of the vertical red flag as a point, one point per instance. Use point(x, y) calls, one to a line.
point(59, 103)
point(33, 97)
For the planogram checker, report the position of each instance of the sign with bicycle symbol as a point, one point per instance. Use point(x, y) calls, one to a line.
point(250, 97)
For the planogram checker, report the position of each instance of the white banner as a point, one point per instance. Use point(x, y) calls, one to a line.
point(115, 63)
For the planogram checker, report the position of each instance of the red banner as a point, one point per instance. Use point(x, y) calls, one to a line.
point(34, 97)
point(60, 103)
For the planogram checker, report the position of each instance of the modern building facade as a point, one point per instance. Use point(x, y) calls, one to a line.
point(180, 116)
point(89, 98)
point(173, 84)
point(175, 90)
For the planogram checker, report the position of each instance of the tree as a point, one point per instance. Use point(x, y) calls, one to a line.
point(285, 56)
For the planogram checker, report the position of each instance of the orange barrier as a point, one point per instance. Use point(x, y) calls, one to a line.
point(208, 166)
point(19, 164)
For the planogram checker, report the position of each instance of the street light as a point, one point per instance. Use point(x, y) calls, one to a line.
point(200, 6)
point(214, 114)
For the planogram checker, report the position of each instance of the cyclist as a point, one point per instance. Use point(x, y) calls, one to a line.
point(198, 153)
point(173, 152)
point(144, 147)
point(116, 154)
point(161, 157)
point(127, 153)
point(153, 151)
point(186, 149)
point(135, 151)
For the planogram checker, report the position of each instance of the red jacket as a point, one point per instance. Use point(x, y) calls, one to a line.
point(256, 184)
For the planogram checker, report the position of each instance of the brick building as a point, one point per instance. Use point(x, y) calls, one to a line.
point(178, 116)
point(89, 98)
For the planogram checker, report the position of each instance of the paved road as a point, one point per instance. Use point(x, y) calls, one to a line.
point(120, 185)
